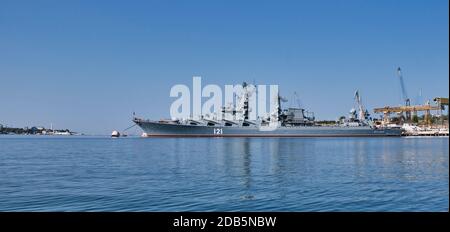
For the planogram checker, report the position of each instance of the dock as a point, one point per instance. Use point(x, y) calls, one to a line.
point(430, 132)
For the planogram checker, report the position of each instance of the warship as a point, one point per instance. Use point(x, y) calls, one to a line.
point(290, 122)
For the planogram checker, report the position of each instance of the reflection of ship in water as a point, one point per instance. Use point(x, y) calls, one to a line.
point(291, 122)
point(240, 165)
point(296, 174)
point(254, 163)
point(252, 160)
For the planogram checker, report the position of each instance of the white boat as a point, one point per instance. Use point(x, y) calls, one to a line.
point(115, 134)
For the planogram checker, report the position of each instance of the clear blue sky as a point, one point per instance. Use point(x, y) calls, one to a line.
point(87, 65)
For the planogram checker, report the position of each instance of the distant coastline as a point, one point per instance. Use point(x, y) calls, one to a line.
point(35, 131)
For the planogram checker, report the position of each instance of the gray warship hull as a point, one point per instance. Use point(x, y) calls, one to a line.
point(162, 129)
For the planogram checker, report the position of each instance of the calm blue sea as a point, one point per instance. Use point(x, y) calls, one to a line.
point(39, 173)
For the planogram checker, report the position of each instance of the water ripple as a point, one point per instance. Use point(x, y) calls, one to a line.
point(133, 174)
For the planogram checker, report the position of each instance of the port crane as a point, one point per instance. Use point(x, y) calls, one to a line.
point(406, 100)
point(409, 109)
point(441, 102)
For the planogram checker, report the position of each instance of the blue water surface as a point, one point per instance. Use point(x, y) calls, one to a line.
point(78, 173)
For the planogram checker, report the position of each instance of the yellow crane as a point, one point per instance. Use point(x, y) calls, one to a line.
point(400, 109)
point(441, 102)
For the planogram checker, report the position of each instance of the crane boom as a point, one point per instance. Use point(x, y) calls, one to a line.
point(402, 86)
point(404, 94)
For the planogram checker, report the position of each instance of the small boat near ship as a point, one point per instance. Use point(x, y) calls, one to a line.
point(115, 134)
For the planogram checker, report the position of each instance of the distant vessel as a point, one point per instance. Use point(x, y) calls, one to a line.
point(62, 133)
point(291, 122)
point(115, 134)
